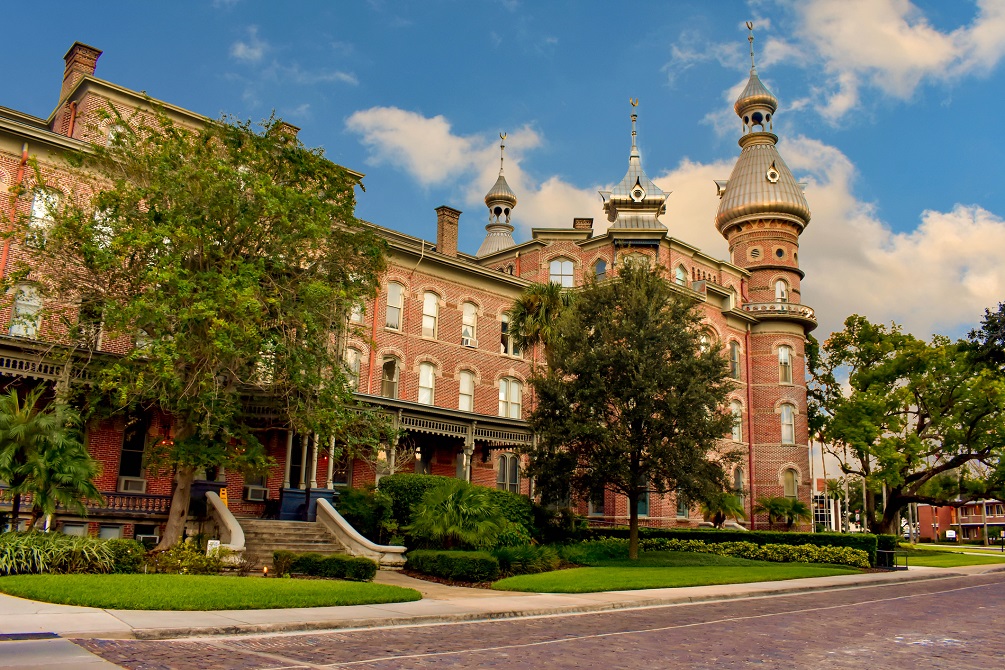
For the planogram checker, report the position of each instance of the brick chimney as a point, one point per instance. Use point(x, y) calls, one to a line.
point(81, 60)
point(582, 224)
point(446, 230)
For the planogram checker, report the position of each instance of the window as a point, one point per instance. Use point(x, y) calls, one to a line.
point(466, 400)
point(427, 376)
point(109, 532)
point(600, 269)
point(734, 359)
point(790, 483)
point(683, 511)
point(736, 409)
point(704, 342)
point(352, 362)
point(510, 398)
point(430, 313)
point(75, 529)
point(680, 276)
point(134, 442)
point(781, 291)
point(395, 292)
point(44, 206)
point(508, 473)
point(113, 133)
point(788, 417)
point(738, 479)
point(785, 365)
point(389, 377)
point(507, 343)
point(26, 315)
point(643, 505)
point(469, 324)
point(596, 506)
point(356, 314)
point(561, 272)
point(89, 324)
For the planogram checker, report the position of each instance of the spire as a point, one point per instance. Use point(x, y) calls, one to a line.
point(756, 104)
point(500, 200)
point(636, 202)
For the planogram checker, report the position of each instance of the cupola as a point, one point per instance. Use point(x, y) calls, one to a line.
point(500, 200)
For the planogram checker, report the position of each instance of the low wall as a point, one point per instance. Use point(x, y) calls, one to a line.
point(354, 543)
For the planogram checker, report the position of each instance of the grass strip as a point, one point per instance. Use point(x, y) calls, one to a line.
point(938, 558)
point(198, 592)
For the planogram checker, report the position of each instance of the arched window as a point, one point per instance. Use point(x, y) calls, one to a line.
point(507, 341)
point(395, 294)
point(734, 359)
point(510, 398)
point(469, 324)
point(785, 365)
point(508, 472)
point(44, 205)
point(427, 380)
point(600, 269)
point(561, 272)
point(680, 276)
point(389, 373)
point(781, 291)
point(430, 313)
point(736, 409)
point(26, 315)
point(788, 419)
point(352, 360)
point(738, 479)
point(790, 483)
point(466, 399)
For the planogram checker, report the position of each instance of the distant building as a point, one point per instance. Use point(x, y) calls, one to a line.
point(972, 522)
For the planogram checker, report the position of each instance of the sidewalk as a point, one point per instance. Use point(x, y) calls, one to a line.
point(440, 604)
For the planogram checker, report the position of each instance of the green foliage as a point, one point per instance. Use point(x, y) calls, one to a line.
point(457, 515)
point(632, 400)
point(776, 553)
point(186, 558)
point(534, 316)
point(526, 559)
point(513, 535)
point(786, 510)
point(514, 507)
point(594, 552)
point(127, 555)
point(557, 525)
point(34, 553)
point(370, 512)
point(282, 562)
point(461, 566)
point(887, 542)
point(406, 491)
point(721, 506)
point(352, 568)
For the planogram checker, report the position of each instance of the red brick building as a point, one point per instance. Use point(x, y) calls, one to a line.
point(432, 348)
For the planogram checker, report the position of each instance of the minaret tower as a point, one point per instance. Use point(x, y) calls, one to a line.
point(761, 214)
point(500, 200)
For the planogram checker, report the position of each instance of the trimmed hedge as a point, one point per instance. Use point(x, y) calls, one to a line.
point(515, 507)
point(406, 491)
point(463, 566)
point(779, 553)
point(887, 542)
point(352, 568)
point(526, 560)
point(863, 541)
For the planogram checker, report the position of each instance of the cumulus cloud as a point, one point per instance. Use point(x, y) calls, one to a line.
point(250, 50)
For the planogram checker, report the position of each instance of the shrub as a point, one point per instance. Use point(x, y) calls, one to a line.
point(557, 526)
point(593, 551)
point(38, 553)
point(513, 535)
point(127, 555)
point(282, 562)
point(353, 568)
point(187, 558)
point(370, 512)
point(406, 491)
point(306, 564)
point(463, 566)
point(515, 507)
point(456, 515)
point(887, 542)
point(526, 560)
point(779, 553)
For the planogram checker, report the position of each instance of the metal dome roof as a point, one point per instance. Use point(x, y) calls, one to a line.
point(755, 94)
point(501, 192)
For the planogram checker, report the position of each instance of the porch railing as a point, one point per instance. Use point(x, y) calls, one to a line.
point(114, 503)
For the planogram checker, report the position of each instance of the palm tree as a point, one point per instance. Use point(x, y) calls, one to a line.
point(723, 506)
point(798, 511)
point(533, 316)
point(61, 475)
point(776, 507)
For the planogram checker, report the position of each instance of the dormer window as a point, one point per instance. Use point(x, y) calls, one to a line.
point(561, 272)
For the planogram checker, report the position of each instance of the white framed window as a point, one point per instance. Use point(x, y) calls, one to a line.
point(785, 365)
point(26, 313)
point(395, 295)
point(508, 472)
point(781, 291)
point(109, 532)
point(510, 398)
point(734, 359)
point(788, 419)
point(352, 362)
point(737, 479)
point(680, 276)
point(469, 324)
point(466, 398)
point(430, 313)
point(427, 382)
point(507, 342)
point(790, 483)
point(390, 370)
point(561, 271)
point(683, 511)
point(643, 505)
point(356, 313)
point(44, 205)
point(600, 270)
point(736, 409)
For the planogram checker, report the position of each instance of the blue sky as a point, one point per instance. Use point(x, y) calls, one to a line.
point(890, 111)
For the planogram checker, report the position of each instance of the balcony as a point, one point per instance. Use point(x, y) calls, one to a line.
point(786, 310)
point(133, 505)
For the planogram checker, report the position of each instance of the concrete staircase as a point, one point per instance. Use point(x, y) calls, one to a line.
point(262, 537)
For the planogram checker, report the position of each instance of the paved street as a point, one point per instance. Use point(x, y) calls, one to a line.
point(944, 623)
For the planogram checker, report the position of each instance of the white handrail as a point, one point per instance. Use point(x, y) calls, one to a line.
point(350, 538)
point(231, 532)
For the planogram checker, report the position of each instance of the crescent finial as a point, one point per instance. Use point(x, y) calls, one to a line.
point(635, 102)
point(502, 136)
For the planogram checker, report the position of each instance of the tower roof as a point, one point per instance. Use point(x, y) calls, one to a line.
point(636, 202)
point(500, 200)
point(755, 94)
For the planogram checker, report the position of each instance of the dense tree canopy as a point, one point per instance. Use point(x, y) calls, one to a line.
point(229, 256)
point(631, 400)
point(925, 420)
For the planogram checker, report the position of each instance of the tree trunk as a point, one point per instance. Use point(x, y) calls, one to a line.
point(633, 525)
point(178, 512)
point(15, 511)
point(33, 518)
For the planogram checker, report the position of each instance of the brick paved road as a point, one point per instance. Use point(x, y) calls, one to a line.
point(945, 623)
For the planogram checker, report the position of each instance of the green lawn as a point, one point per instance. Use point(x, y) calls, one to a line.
point(665, 569)
point(198, 592)
point(939, 558)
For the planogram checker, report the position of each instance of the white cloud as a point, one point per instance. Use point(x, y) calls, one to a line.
point(252, 50)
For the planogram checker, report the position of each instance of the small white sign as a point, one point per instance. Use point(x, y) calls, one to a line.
point(212, 546)
point(950, 534)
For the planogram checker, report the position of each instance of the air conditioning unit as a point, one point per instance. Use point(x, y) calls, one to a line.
point(256, 493)
point(132, 485)
point(469, 342)
point(148, 541)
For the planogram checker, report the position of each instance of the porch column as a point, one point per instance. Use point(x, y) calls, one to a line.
point(469, 450)
point(330, 483)
point(289, 456)
point(303, 461)
point(314, 462)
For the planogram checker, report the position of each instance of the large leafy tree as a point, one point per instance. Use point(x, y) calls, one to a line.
point(631, 400)
point(229, 255)
point(925, 420)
